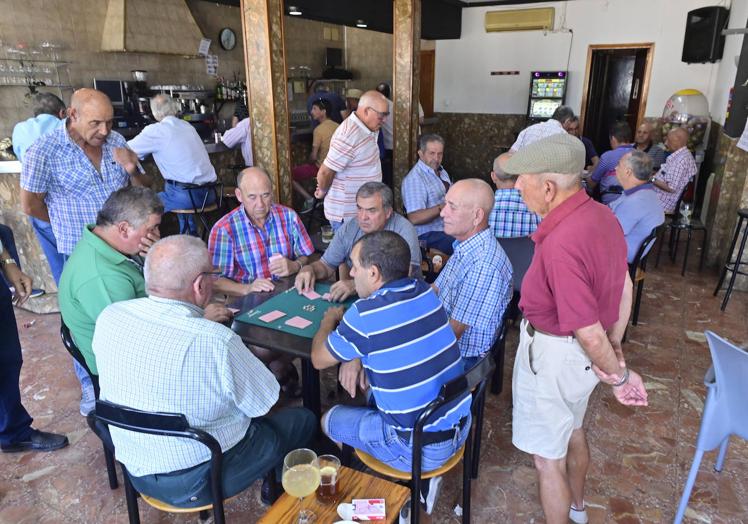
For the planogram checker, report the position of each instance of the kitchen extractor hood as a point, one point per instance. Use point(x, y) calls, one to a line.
point(142, 27)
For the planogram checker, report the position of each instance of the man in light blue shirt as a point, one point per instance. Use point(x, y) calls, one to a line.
point(639, 209)
point(159, 354)
point(423, 191)
point(621, 142)
point(181, 158)
point(49, 112)
point(475, 285)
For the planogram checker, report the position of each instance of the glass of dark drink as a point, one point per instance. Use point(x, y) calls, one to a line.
point(329, 467)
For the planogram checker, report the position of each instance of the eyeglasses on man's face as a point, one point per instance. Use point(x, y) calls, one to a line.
point(380, 114)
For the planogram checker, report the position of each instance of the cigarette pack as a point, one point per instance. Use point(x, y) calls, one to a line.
point(368, 509)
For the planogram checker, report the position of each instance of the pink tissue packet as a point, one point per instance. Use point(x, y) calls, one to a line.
point(368, 509)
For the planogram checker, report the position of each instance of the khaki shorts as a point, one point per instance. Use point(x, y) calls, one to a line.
point(551, 384)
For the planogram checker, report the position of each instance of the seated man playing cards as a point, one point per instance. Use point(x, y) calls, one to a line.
point(399, 333)
point(256, 243)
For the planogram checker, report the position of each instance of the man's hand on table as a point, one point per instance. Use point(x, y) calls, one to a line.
point(217, 313)
point(341, 290)
point(282, 267)
point(305, 280)
point(261, 285)
point(147, 241)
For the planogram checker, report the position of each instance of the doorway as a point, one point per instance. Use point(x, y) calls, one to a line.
point(427, 67)
point(616, 84)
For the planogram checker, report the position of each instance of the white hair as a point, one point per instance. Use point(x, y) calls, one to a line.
point(163, 106)
point(174, 262)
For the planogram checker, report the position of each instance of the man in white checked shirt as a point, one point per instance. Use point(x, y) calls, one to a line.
point(159, 354)
point(560, 122)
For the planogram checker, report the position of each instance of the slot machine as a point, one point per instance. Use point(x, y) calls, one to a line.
point(547, 92)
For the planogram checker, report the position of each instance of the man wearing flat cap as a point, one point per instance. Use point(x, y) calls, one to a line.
point(576, 298)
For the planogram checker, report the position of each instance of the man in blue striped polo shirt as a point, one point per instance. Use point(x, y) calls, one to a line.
point(400, 334)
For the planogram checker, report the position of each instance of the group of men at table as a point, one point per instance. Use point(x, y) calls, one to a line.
point(154, 325)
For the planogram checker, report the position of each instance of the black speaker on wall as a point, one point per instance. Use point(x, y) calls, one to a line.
point(704, 41)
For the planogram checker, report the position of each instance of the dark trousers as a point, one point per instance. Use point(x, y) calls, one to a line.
point(262, 449)
point(387, 169)
point(438, 240)
point(9, 244)
point(15, 422)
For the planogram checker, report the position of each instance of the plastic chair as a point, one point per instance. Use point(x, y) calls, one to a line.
point(519, 251)
point(637, 268)
point(171, 425)
point(725, 410)
point(67, 341)
point(474, 381)
point(676, 224)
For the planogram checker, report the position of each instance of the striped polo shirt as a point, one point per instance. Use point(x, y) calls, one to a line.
point(402, 335)
point(354, 156)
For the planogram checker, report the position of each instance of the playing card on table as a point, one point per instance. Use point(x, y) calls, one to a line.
point(273, 315)
point(298, 322)
point(234, 310)
point(311, 294)
point(326, 296)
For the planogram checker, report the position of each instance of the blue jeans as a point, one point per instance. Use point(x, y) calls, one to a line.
point(48, 242)
point(438, 240)
point(178, 197)
point(364, 428)
point(262, 449)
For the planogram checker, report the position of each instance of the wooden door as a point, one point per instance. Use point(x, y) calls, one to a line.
point(427, 68)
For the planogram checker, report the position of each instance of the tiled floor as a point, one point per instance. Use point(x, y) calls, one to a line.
point(640, 456)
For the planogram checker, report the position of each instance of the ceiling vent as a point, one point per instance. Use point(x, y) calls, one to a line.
point(520, 20)
point(143, 26)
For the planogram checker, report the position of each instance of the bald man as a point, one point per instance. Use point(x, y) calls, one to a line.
point(353, 159)
point(509, 217)
point(643, 141)
point(476, 283)
point(259, 241)
point(68, 174)
point(679, 168)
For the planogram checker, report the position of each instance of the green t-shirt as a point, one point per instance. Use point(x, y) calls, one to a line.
point(95, 276)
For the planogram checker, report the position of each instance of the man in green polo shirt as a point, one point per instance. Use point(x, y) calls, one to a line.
point(101, 270)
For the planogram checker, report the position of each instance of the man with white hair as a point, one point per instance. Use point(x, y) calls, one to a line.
point(159, 354)
point(181, 158)
point(679, 168)
point(476, 284)
point(353, 159)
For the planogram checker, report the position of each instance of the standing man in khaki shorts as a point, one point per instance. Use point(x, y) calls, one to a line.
point(576, 298)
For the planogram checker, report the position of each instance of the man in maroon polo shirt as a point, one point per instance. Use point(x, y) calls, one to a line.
point(576, 298)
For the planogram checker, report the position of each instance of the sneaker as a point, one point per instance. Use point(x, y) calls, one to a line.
point(34, 292)
point(578, 515)
point(430, 493)
point(88, 401)
point(37, 441)
point(404, 516)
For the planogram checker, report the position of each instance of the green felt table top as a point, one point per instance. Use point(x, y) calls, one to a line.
point(292, 304)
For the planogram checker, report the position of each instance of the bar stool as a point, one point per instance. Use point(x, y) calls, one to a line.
point(200, 207)
point(734, 265)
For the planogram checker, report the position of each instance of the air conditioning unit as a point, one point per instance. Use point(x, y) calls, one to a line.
point(520, 20)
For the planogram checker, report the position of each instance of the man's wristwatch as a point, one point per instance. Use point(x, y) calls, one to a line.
point(6, 261)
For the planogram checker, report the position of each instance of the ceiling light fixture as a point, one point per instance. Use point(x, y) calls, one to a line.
point(361, 24)
point(294, 11)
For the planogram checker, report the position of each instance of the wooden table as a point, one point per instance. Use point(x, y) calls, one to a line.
point(288, 343)
point(354, 485)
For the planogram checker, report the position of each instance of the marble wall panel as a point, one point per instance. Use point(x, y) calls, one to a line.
point(474, 140)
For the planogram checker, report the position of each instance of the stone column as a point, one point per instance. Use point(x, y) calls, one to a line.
point(406, 30)
point(265, 66)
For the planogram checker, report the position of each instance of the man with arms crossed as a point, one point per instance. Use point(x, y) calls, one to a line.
point(576, 298)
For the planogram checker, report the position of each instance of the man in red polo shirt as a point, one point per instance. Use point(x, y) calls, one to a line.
point(576, 298)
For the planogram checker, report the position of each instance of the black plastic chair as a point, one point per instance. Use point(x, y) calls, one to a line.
point(637, 268)
point(473, 381)
point(168, 425)
point(519, 251)
point(675, 224)
point(67, 341)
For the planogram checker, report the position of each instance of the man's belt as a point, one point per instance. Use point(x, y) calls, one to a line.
point(432, 437)
point(531, 330)
point(183, 184)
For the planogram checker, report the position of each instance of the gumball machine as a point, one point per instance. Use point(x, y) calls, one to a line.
point(688, 108)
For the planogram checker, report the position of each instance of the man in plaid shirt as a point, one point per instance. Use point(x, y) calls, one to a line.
point(68, 174)
point(258, 241)
point(509, 217)
point(475, 285)
point(680, 167)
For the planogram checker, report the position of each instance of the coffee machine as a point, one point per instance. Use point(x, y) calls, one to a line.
point(131, 103)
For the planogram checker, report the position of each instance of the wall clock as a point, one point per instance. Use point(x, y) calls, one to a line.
point(227, 39)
